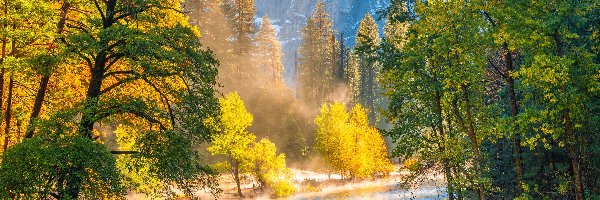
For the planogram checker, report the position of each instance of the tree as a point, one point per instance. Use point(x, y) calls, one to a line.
point(269, 51)
point(215, 31)
point(228, 28)
point(49, 61)
point(283, 113)
point(27, 168)
point(562, 71)
point(351, 147)
point(234, 141)
point(488, 75)
point(121, 49)
point(270, 170)
point(240, 15)
point(334, 139)
point(26, 26)
point(433, 88)
point(413, 83)
point(243, 154)
point(353, 78)
point(266, 161)
point(372, 158)
point(366, 50)
point(318, 53)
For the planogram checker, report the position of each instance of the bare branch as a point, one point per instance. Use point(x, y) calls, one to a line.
point(117, 43)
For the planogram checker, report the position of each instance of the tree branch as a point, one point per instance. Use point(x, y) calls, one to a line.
point(55, 195)
point(112, 110)
point(117, 43)
point(143, 9)
point(84, 57)
point(496, 68)
point(165, 100)
point(488, 18)
point(115, 58)
point(147, 117)
point(121, 82)
point(123, 152)
point(100, 10)
point(113, 73)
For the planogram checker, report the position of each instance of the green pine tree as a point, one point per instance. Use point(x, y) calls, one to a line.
point(366, 52)
point(240, 16)
point(318, 53)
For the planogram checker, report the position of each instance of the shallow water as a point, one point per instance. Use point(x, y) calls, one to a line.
point(390, 192)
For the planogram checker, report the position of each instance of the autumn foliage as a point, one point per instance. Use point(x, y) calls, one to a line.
point(349, 144)
point(243, 154)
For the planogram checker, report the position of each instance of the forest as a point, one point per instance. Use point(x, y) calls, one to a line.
point(192, 99)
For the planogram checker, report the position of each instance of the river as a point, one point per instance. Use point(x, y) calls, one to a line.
point(381, 189)
point(381, 192)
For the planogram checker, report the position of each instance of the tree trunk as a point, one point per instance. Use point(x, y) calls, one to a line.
point(571, 150)
point(514, 111)
point(8, 114)
point(473, 138)
point(446, 163)
point(2, 72)
point(90, 107)
point(92, 97)
point(370, 90)
point(41, 92)
point(573, 155)
point(460, 122)
point(37, 104)
point(236, 177)
point(459, 195)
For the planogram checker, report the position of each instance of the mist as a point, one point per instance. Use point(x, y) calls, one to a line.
point(278, 115)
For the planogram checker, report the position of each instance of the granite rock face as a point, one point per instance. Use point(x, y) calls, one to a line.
point(289, 16)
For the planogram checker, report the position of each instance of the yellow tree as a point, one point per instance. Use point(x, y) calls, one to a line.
point(334, 139)
point(349, 144)
point(270, 169)
point(372, 158)
point(25, 29)
point(265, 161)
point(234, 139)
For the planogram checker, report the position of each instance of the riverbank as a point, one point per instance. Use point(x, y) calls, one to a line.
point(313, 185)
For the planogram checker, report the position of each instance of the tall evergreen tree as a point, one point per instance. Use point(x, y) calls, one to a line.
point(269, 51)
point(366, 50)
point(215, 31)
point(317, 57)
point(240, 15)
